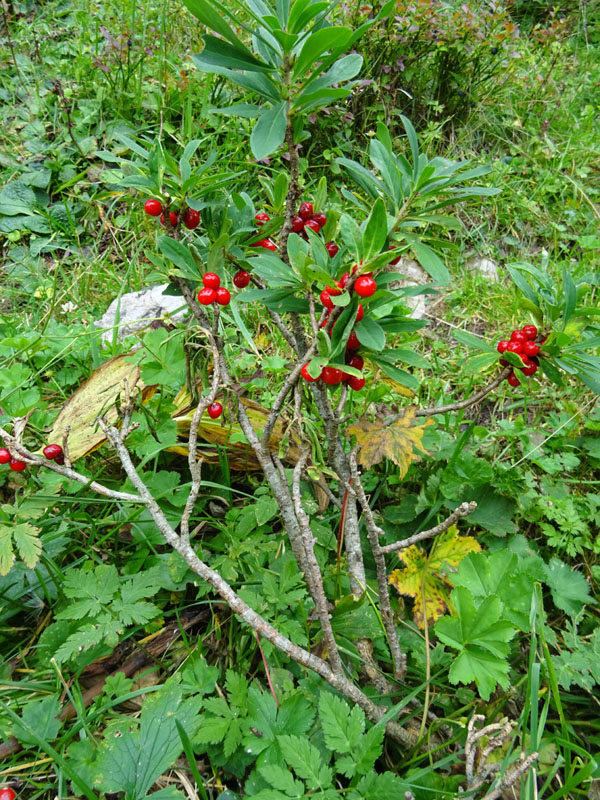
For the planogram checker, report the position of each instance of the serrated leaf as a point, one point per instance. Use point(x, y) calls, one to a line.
point(425, 576)
point(305, 760)
point(282, 780)
point(7, 557)
point(481, 636)
point(397, 441)
point(371, 746)
point(382, 786)
point(342, 727)
point(570, 590)
point(42, 717)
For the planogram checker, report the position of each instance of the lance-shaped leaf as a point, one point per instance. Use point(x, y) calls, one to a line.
point(219, 53)
point(269, 132)
point(398, 441)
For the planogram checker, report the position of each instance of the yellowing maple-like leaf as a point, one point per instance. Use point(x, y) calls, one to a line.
point(424, 577)
point(397, 441)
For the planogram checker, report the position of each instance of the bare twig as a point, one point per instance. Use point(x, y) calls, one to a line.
point(462, 511)
point(471, 401)
point(313, 576)
point(373, 533)
point(239, 607)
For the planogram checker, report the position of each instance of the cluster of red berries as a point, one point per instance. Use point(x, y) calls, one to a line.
point(522, 343)
point(332, 375)
point(53, 452)
point(213, 292)
point(305, 218)
point(191, 217)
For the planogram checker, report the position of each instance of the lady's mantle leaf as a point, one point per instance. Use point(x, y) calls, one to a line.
point(397, 441)
point(424, 577)
point(480, 634)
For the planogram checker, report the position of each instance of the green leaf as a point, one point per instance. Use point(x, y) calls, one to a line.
point(370, 333)
point(180, 255)
point(476, 342)
point(414, 144)
point(7, 557)
point(370, 750)
point(342, 727)
point(570, 590)
point(253, 81)
point(376, 231)
point(479, 362)
point(480, 634)
point(206, 13)
point(132, 762)
point(219, 53)
point(570, 296)
point(282, 780)
point(382, 786)
point(430, 261)
point(351, 234)
point(305, 760)
point(42, 717)
point(318, 43)
point(269, 132)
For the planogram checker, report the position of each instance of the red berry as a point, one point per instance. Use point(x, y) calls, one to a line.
point(518, 336)
point(356, 383)
point(515, 347)
point(215, 410)
point(504, 362)
point(396, 260)
point(305, 211)
point(365, 286)
point(262, 218)
point(4, 455)
point(531, 369)
point(313, 225)
point(352, 343)
point(326, 294)
point(207, 297)
point(223, 297)
point(530, 331)
point(297, 224)
point(153, 207)
point(7, 793)
point(52, 451)
point(320, 219)
point(241, 279)
point(360, 313)
point(173, 219)
point(513, 380)
point(331, 376)
point(525, 360)
point(191, 219)
point(211, 280)
point(306, 375)
point(332, 249)
point(268, 245)
point(502, 345)
point(344, 280)
point(355, 361)
point(531, 348)
point(60, 459)
point(16, 465)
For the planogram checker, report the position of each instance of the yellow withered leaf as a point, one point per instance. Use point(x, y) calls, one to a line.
point(424, 577)
point(397, 441)
point(96, 397)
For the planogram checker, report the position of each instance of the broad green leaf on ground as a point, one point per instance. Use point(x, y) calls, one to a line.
point(504, 574)
point(397, 441)
point(570, 590)
point(40, 716)
point(425, 577)
point(481, 635)
point(133, 761)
